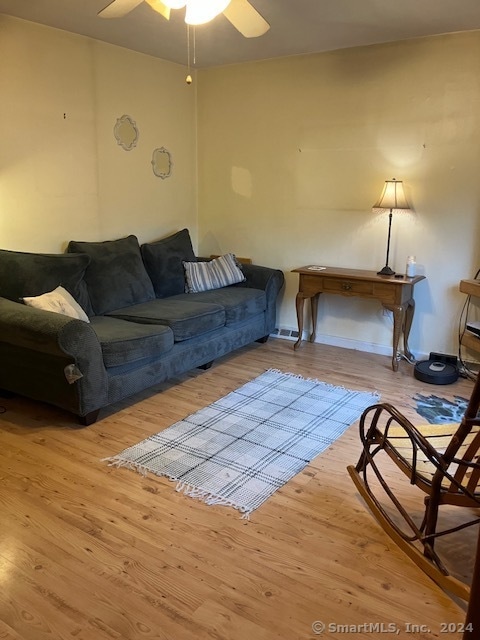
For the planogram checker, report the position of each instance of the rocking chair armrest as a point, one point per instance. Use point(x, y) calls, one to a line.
point(470, 464)
point(465, 427)
point(376, 434)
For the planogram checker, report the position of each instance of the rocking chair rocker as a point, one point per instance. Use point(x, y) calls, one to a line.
point(442, 460)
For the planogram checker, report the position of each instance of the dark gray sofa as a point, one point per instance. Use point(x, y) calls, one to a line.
point(143, 327)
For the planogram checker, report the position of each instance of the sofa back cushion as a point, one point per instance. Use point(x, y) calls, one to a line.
point(116, 276)
point(164, 262)
point(33, 274)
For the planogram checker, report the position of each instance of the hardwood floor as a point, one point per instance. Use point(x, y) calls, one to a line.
point(93, 552)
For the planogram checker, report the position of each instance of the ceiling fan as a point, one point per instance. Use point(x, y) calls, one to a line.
point(244, 17)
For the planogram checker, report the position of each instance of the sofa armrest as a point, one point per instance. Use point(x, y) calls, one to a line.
point(59, 338)
point(269, 280)
point(43, 331)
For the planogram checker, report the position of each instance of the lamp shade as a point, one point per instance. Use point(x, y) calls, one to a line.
point(393, 196)
point(201, 11)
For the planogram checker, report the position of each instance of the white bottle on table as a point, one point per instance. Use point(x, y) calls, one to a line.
point(411, 269)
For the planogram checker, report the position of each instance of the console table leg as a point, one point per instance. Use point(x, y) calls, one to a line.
point(398, 323)
point(299, 304)
point(409, 311)
point(314, 309)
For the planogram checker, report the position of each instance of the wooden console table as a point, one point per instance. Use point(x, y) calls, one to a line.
point(395, 294)
point(471, 288)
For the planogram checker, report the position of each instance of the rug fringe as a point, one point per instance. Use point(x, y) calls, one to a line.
point(209, 498)
point(182, 487)
point(117, 461)
point(375, 395)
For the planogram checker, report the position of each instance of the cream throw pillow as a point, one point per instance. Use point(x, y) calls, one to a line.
point(58, 301)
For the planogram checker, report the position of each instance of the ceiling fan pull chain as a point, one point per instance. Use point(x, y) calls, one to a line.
point(188, 79)
point(194, 46)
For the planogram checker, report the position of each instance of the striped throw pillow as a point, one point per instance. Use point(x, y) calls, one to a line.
point(219, 272)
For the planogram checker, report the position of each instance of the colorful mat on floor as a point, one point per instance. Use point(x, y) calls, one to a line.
point(437, 410)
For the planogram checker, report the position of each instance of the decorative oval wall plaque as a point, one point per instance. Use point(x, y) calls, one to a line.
point(162, 163)
point(126, 132)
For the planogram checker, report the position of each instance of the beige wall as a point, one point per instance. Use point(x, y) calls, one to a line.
point(62, 174)
point(294, 152)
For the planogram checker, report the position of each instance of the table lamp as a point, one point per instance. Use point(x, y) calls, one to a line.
point(392, 198)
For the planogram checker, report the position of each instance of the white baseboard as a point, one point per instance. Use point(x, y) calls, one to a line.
point(286, 333)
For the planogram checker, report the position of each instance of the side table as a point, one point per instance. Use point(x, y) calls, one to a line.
point(395, 294)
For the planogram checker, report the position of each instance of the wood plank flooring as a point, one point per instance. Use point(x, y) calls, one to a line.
point(91, 552)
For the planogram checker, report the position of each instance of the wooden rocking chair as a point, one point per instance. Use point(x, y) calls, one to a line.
point(441, 460)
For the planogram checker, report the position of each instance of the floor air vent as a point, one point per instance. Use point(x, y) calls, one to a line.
point(287, 334)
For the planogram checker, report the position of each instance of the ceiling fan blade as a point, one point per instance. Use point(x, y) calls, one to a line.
point(246, 19)
point(160, 8)
point(118, 8)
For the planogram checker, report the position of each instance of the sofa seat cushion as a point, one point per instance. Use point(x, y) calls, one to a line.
point(125, 342)
point(116, 276)
point(186, 318)
point(240, 303)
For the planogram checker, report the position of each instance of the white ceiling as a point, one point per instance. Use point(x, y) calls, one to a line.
point(297, 26)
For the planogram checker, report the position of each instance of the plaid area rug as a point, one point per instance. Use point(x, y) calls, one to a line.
point(242, 448)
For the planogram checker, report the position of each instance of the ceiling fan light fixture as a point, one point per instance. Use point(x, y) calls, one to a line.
point(202, 11)
point(174, 4)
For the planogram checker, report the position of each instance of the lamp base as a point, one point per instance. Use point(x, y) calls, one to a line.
point(386, 271)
